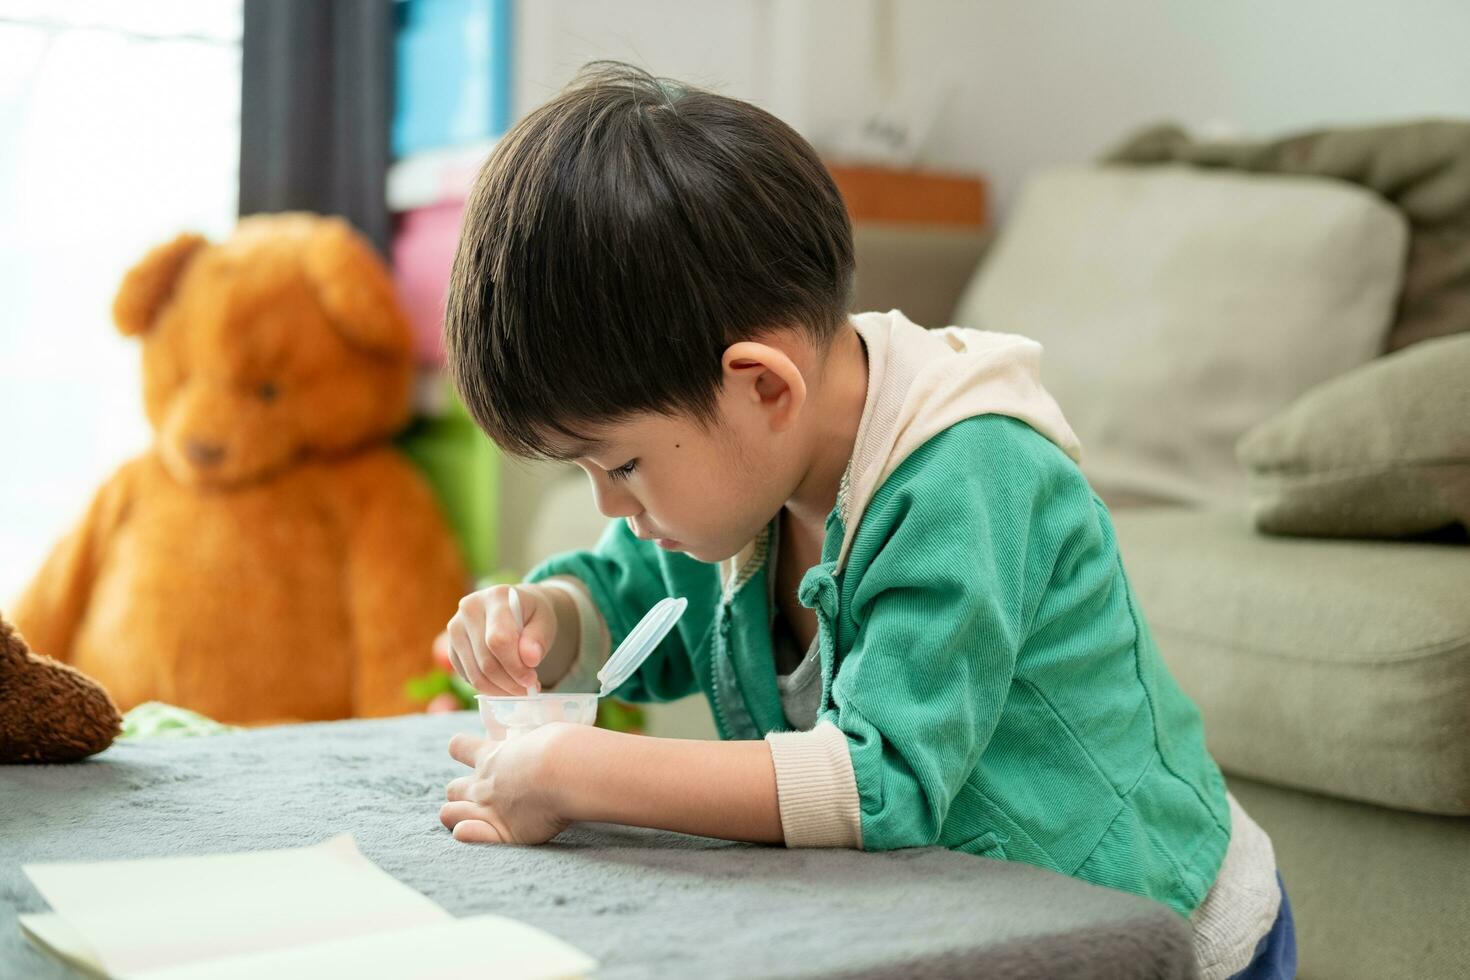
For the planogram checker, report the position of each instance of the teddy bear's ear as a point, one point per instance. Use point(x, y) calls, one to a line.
point(355, 289)
point(148, 285)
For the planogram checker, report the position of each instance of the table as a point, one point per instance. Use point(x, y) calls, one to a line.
point(644, 903)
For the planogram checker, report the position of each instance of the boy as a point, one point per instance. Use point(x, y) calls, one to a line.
point(906, 606)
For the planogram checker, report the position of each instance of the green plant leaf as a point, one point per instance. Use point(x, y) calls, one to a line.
point(428, 686)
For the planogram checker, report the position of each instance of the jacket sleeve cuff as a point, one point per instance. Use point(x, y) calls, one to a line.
point(592, 641)
point(816, 789)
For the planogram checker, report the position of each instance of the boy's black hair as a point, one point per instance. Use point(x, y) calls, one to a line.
point(618, 239)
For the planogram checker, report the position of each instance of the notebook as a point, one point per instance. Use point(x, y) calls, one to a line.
point(321, 910)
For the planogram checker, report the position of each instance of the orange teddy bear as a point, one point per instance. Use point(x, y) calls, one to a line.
point(271, 558)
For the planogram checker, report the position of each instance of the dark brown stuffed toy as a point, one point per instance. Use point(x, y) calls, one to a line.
point(48, 711)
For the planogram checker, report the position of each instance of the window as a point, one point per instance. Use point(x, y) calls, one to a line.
point(119, 128)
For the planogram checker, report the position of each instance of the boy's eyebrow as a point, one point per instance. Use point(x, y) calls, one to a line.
point(577, 450)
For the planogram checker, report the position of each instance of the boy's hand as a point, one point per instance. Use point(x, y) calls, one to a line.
point(489, 651)
point(510, 798)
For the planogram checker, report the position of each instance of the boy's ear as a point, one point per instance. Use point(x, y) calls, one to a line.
point(766, 377)
point(149, 284)
point(355, 289)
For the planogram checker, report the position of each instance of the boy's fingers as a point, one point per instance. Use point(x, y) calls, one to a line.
point(474, 616)
point(503, 638)
point(463, 650)
point(458, 788)
point(443, 651)
point(458, 667)
point(458, 811)
point(464, 747)
point(531, 650)
point(471, 823)
point(500, 681)
point(477, 832)
point(541, 627)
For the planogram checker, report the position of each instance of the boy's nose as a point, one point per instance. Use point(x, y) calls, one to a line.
point(613, 502)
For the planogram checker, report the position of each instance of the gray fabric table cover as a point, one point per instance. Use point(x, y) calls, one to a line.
point(644, 903)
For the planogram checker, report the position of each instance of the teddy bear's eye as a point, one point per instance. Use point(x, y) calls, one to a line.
point(267, 391)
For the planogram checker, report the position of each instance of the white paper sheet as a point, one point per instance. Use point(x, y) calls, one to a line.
point(50, 932)
point(485, 945)
point(270, 909)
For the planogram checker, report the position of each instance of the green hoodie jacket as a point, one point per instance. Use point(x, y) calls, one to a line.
point(984, 661)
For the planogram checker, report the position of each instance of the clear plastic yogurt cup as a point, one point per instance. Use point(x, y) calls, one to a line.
point(507, 717)
point(511, 715)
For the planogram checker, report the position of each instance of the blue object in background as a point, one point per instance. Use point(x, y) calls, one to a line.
point(452, 80)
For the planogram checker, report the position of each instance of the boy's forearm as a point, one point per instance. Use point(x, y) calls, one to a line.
point(714, 789)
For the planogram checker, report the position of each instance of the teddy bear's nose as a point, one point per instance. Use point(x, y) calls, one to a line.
point(205, 453)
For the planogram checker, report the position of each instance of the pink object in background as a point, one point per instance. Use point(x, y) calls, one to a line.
point(423, 251)
point(443, 704)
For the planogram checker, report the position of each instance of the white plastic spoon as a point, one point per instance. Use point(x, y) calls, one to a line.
point(639, 643)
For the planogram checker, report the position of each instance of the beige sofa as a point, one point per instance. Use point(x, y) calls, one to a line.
point(1326, 672)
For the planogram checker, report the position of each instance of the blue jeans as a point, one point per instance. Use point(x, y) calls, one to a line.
point(1275, 956)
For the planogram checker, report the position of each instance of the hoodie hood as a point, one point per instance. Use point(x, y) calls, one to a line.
point(921, 382)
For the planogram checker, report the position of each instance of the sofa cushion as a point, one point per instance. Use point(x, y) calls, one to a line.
point(1421, 166)
point(1383, 451)
point(1322, 664)
point(1180, 308)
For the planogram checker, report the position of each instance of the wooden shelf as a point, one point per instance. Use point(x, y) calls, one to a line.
point(877, 194)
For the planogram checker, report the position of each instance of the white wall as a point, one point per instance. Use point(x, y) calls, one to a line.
point(1028, 83)
point(1059, 80)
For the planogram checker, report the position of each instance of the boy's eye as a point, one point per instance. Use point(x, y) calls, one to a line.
point(624, 471)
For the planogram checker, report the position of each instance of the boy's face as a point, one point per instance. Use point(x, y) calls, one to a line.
point(705, 491)
point(708, 490)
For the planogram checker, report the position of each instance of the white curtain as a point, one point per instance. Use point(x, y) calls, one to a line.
point(119, 127)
